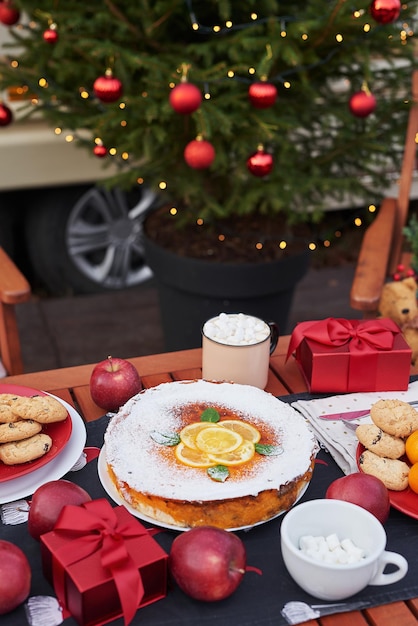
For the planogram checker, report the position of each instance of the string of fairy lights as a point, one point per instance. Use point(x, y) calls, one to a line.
point(51, 34)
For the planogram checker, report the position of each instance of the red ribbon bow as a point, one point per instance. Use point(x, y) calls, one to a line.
point(375, 334)
point(93, 527)
point(365, 340)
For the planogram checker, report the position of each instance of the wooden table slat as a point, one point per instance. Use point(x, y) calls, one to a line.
point(391, 615)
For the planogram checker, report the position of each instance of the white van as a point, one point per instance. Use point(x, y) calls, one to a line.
point(73, 235)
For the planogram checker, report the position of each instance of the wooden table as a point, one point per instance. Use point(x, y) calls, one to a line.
point(72, 385)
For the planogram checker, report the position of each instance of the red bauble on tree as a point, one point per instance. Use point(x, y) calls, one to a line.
point(9, 14)
point(185, 98)
point(262, 95)
point(260, 163)
point(50, 35)
point(108, 88)
point(199, 154)
point(100, 150)
point(362, 103)
point(6, 115)
point(385, 11)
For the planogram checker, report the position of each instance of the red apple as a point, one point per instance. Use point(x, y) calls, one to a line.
point(9, 14)
point(113, 382)
point(364, 490)
point(207, 563)
point(15, 576)
point(48, 501)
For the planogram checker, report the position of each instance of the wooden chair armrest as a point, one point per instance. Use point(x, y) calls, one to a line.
point(372, 264)
point(14, 287)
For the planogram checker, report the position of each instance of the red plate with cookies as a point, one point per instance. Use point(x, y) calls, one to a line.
point(405, 501)
point(59, 432)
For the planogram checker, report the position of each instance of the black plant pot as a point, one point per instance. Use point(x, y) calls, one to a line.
point(193, 290)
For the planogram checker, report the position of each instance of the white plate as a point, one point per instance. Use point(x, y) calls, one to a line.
point(24, 486)
point(111, 491)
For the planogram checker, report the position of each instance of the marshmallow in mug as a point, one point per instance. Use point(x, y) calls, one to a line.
point(330, 549)
point(236, 329)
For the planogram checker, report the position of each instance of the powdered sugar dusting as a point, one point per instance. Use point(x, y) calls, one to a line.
point(151, 468)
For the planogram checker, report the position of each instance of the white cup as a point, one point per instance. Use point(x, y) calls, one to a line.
point(236, 348)
point(327, 581)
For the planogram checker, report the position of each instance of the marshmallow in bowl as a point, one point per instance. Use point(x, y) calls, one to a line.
point(236, 329)
point(330, 549)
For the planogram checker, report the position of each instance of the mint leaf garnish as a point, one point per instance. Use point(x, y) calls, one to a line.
point(218, 472)
point(210, 415)
point(267, 449)
point(165, 439)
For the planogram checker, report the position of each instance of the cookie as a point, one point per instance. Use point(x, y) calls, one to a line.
point(7, 414)
point(15, 431)
point(392, 472)
point(395, 417)
point(43, 409)
point(375, 439)
point(7, 398)
point(25, 450)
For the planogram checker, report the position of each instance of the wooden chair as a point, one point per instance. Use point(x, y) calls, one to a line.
point(14, 289)
point(382, 246)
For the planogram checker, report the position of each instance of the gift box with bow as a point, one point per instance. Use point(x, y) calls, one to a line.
point(339, 355)
point(103, 563)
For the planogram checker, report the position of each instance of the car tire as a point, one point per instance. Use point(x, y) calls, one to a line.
point(84, 240)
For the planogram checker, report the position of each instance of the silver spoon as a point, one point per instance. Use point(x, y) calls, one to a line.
point(297, 612)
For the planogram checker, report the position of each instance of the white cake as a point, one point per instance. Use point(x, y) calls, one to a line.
point(149, 476)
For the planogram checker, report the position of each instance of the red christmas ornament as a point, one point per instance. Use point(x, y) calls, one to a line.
point(362, 103)
point(385, 11)
point(199, 154)
point(100, 150)
point(9, 14)
point(185, 98)
point(6, 115)
point(260, 163)
point(108, 88)
point(262, 95)
point(50, 35)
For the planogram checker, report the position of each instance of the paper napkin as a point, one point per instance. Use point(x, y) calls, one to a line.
point(326, 415)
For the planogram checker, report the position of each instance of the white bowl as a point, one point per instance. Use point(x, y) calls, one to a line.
point(329, 581)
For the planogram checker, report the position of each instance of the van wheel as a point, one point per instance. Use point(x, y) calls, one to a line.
point(88, 240)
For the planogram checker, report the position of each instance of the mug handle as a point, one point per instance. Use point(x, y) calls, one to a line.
point(390, 558)
point(274, 336)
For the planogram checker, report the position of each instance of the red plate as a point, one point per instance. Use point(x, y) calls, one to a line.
point(405, 501)
point(58, 431)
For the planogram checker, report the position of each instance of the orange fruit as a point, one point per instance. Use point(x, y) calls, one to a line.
point(413, 477)
point(192, 458)
point(240, 455)
point(411, 447)
point(189, 432)
point(218, 440)
point(247, 431)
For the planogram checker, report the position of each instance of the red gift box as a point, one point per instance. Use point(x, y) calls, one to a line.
point(103, 563)
point(339, 355)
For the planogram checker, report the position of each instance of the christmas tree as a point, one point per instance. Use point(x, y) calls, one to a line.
point(224, 108)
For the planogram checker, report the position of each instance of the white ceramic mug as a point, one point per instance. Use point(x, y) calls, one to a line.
point(327, 581)
point(236, 348)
